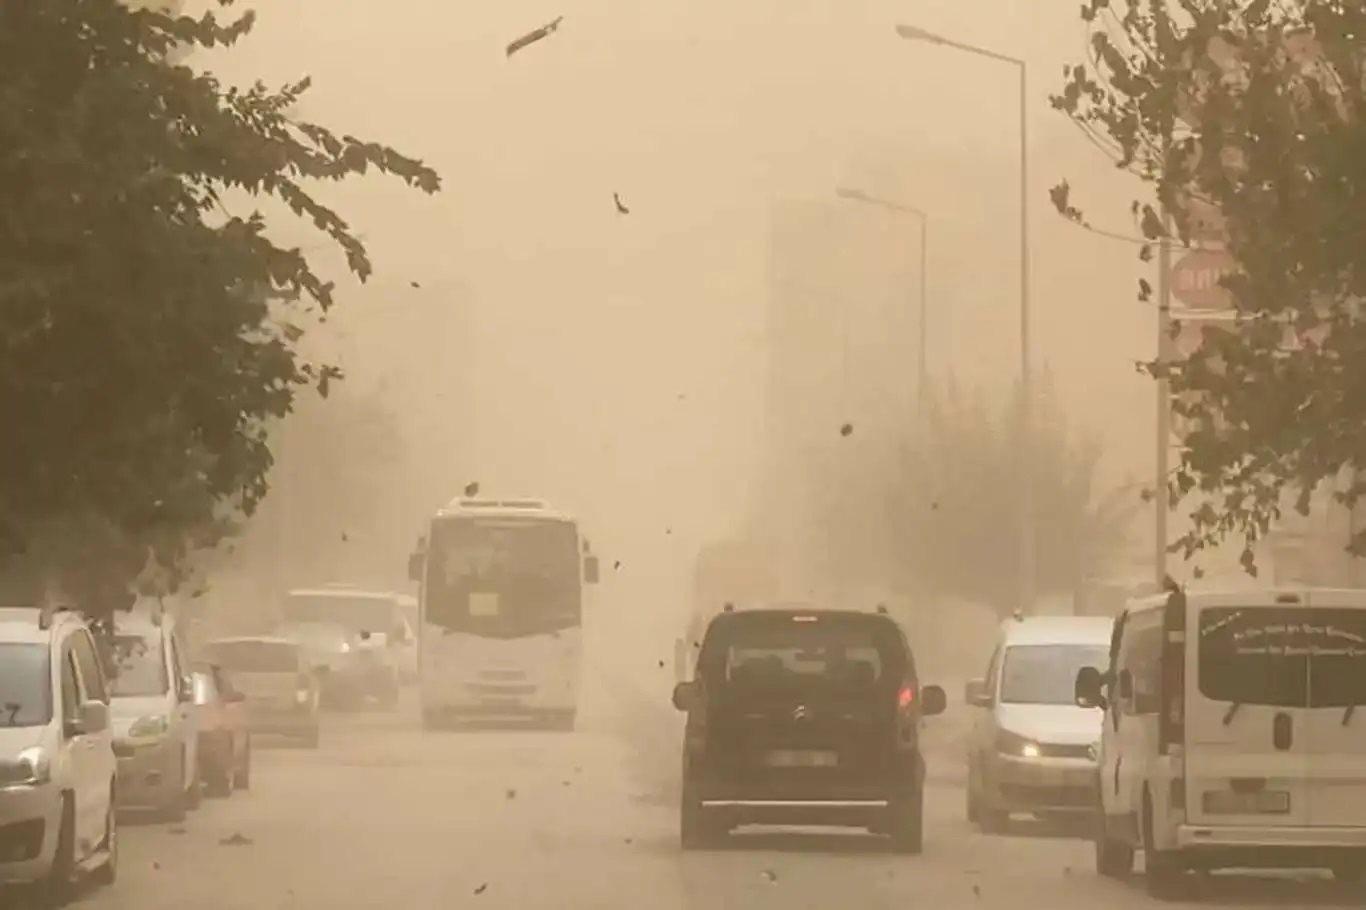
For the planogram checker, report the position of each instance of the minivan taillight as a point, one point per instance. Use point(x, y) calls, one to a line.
point(905, 698)
point(1171, 727)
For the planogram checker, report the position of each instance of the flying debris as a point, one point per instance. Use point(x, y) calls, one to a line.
point(472, 488)
point(539, 34)
point(621, 206)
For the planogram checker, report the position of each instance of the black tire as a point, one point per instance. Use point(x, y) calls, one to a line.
point(696, 830)
point(108, 873)
point(1114, 859)
point(241, 778)
point(907, 822)
point(219, 784)
point(1165, 877)
point(59, 887)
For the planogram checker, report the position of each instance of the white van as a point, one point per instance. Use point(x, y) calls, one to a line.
point(1232, 737)
point(1032, 748)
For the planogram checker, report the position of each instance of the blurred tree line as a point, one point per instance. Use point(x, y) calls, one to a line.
point(933, 514)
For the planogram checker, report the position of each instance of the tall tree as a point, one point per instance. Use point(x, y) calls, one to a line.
point(147, 334)
point(1246, 117)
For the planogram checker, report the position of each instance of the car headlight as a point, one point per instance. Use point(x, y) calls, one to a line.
point(1008, 743)
point(346, 647)
point(29, 768)
point(151, 727)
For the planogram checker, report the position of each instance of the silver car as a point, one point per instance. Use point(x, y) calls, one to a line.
point(1032, 749)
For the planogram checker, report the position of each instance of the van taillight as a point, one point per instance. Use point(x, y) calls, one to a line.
point(905, 698)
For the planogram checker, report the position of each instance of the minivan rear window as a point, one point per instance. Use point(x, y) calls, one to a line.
point(1287, 657)
point(783, 650)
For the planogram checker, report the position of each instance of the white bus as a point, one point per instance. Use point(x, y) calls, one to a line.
point(501, 609)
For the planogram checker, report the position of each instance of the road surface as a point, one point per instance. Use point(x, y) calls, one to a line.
point(387, 816)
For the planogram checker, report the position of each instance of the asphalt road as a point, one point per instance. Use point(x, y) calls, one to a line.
point(387, 816)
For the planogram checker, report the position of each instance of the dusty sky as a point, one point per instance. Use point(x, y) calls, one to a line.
point(618, 361)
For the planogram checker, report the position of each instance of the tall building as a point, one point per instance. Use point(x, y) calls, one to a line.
point(841, 330)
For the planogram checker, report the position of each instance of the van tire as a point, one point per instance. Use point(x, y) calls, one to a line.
point(1163, 872)
point(1114, 859)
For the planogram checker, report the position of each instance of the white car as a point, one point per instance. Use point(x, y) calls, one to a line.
point(156, 737)
point(1233, 735)
point(58, 777)
point(1033, 748)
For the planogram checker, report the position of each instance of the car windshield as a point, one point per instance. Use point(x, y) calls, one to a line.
point(503, 579)
point(1046, 674)
point(256, 656)
point(138, 663)
point(25, 685)
point(1288, 657)
point(356, 612)
point(786, 651)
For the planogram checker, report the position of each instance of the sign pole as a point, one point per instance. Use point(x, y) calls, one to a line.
point(1164, 400)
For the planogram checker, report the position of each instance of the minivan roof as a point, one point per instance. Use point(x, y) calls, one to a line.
point(1057, 630)
point(1286, 595)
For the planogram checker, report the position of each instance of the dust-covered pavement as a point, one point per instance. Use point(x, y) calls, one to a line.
point(385, 815)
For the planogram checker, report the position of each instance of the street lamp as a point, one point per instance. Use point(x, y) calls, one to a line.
point(922, 363)
point(1026, 503)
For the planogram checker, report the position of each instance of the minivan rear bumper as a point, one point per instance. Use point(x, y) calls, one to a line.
point(1253, 837)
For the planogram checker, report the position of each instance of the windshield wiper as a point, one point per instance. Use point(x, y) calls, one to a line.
point(1232, 712)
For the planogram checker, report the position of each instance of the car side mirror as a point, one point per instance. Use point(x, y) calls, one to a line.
point(94, 718)
point(685, 696)
point(1087, 689)
point(416, 559)
point(590, 570)
point(975, 694)
point(933, 701)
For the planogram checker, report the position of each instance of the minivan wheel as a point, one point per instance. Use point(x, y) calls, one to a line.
point(59, 886)
point(908, 822)
point(108, 873)
point(1165, 876)
point(696, 831)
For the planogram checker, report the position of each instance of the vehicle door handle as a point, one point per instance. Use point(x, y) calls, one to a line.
point(1282, 731)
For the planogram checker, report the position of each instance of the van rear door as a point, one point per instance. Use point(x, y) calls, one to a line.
point(1335, 721)
point(1246, 694)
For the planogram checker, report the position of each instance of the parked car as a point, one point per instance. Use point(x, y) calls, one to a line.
point(224, 734)
point(281, 689)
point(58, 776)
point(155, 736)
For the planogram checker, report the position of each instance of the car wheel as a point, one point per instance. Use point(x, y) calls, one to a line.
point(57, 889)
point(241, 779)
point(108, 873)
point(696, 831)
point(907, 823)
point(1165, 876)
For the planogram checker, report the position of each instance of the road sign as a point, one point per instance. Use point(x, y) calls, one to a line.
point(1196, 279)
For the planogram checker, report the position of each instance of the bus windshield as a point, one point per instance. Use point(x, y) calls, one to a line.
point(503, 578)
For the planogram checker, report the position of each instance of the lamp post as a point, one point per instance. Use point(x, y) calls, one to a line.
point(922, 354)
point(1027, 568)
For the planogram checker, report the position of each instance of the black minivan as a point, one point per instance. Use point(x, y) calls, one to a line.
point(804, 717)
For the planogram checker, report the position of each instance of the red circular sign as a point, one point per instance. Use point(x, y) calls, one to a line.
point(1196, 279)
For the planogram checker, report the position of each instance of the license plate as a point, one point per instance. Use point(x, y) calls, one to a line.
point(501, 701)
point(1265, 802)
point(801, 759)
